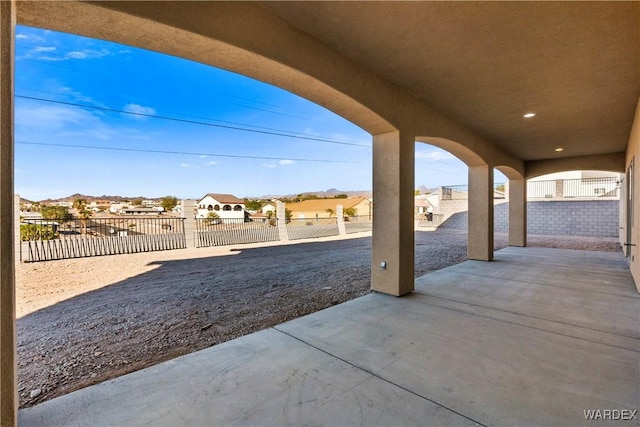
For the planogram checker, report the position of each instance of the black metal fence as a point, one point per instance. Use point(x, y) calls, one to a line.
point(302, 228)
point(581, 188)
point(219, 232)
point(49, 239)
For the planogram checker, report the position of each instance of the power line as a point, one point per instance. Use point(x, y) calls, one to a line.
point(186, 115)
point(175, 119)
point(144, 150)
point(75, 69)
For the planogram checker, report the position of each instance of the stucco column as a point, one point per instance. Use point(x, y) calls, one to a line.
point(340, 220)
point(189, 223)
point(517, 212)
point(393, 239)
point(480, 239)
point(8, 368)
point(281, 214)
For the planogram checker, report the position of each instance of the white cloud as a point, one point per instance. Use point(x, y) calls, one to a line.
point(40, 49)
point(22, 36)
point(286, 162)
point(80, 97)
point(212, 162)
point(87, 54)
point(271, 165)
point(139, 109)
point(184, 165)
point(434, 155)
point(52, 117)
point(49, 53)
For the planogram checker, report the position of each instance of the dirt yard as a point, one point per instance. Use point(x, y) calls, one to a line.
point(83, 321)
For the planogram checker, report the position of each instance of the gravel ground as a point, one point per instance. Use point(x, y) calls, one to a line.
point(83, 321)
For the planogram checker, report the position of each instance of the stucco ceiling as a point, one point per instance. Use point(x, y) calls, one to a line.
point(575, 64)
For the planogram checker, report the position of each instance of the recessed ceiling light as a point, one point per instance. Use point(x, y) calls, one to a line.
point(529, 115)
point(559, 149)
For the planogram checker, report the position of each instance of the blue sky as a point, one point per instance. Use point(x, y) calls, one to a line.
point(73, 71)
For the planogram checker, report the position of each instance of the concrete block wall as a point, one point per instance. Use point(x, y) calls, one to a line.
point(596, 218)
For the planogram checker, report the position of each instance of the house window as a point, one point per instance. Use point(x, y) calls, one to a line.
point(209, 208)
point(216, 207)
point(226, 208)
point(237, 208)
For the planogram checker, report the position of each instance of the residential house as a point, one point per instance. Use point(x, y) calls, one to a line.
point(269, 207)
point(424, 205)
point(575, 184)
point(326, 208)
point(226, 206)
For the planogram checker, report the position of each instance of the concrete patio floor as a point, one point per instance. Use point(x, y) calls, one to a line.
point(534, 338)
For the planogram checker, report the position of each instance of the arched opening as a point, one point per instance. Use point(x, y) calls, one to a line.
point(584, 204)
point(443, 198)
point(193, 166)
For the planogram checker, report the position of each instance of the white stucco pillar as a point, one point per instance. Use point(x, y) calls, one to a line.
point(393, 239)
point(517, 212)
point(8, 368)
point(340, 220)
point(281, 214)
point(480, 239)
point(189, 223)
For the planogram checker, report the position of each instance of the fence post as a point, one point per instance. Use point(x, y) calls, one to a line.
point(559, 189)
point(189, 223)
point(282, 222)
point(340, 217)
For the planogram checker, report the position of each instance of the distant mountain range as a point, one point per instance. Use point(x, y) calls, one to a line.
point(332, 192)
point(90, 199)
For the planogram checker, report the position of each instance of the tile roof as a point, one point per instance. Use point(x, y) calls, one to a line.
point(225, 198)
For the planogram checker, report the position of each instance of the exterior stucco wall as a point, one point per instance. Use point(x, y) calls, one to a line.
point(633, 154)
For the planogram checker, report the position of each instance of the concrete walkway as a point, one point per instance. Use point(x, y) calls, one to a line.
point(535, 338)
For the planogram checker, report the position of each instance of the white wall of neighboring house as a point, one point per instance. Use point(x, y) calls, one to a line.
point(224, 210)
point(268, 208)
point(117, 207)
point(150, 203)
point(573, 184)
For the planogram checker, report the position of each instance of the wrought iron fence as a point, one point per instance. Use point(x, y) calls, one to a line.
point(302, 228)
point(585, 188)
point(357, 224)
point(219, 231)
point(49, 239)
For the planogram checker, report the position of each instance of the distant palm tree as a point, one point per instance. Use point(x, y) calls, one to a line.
point(81, 206)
